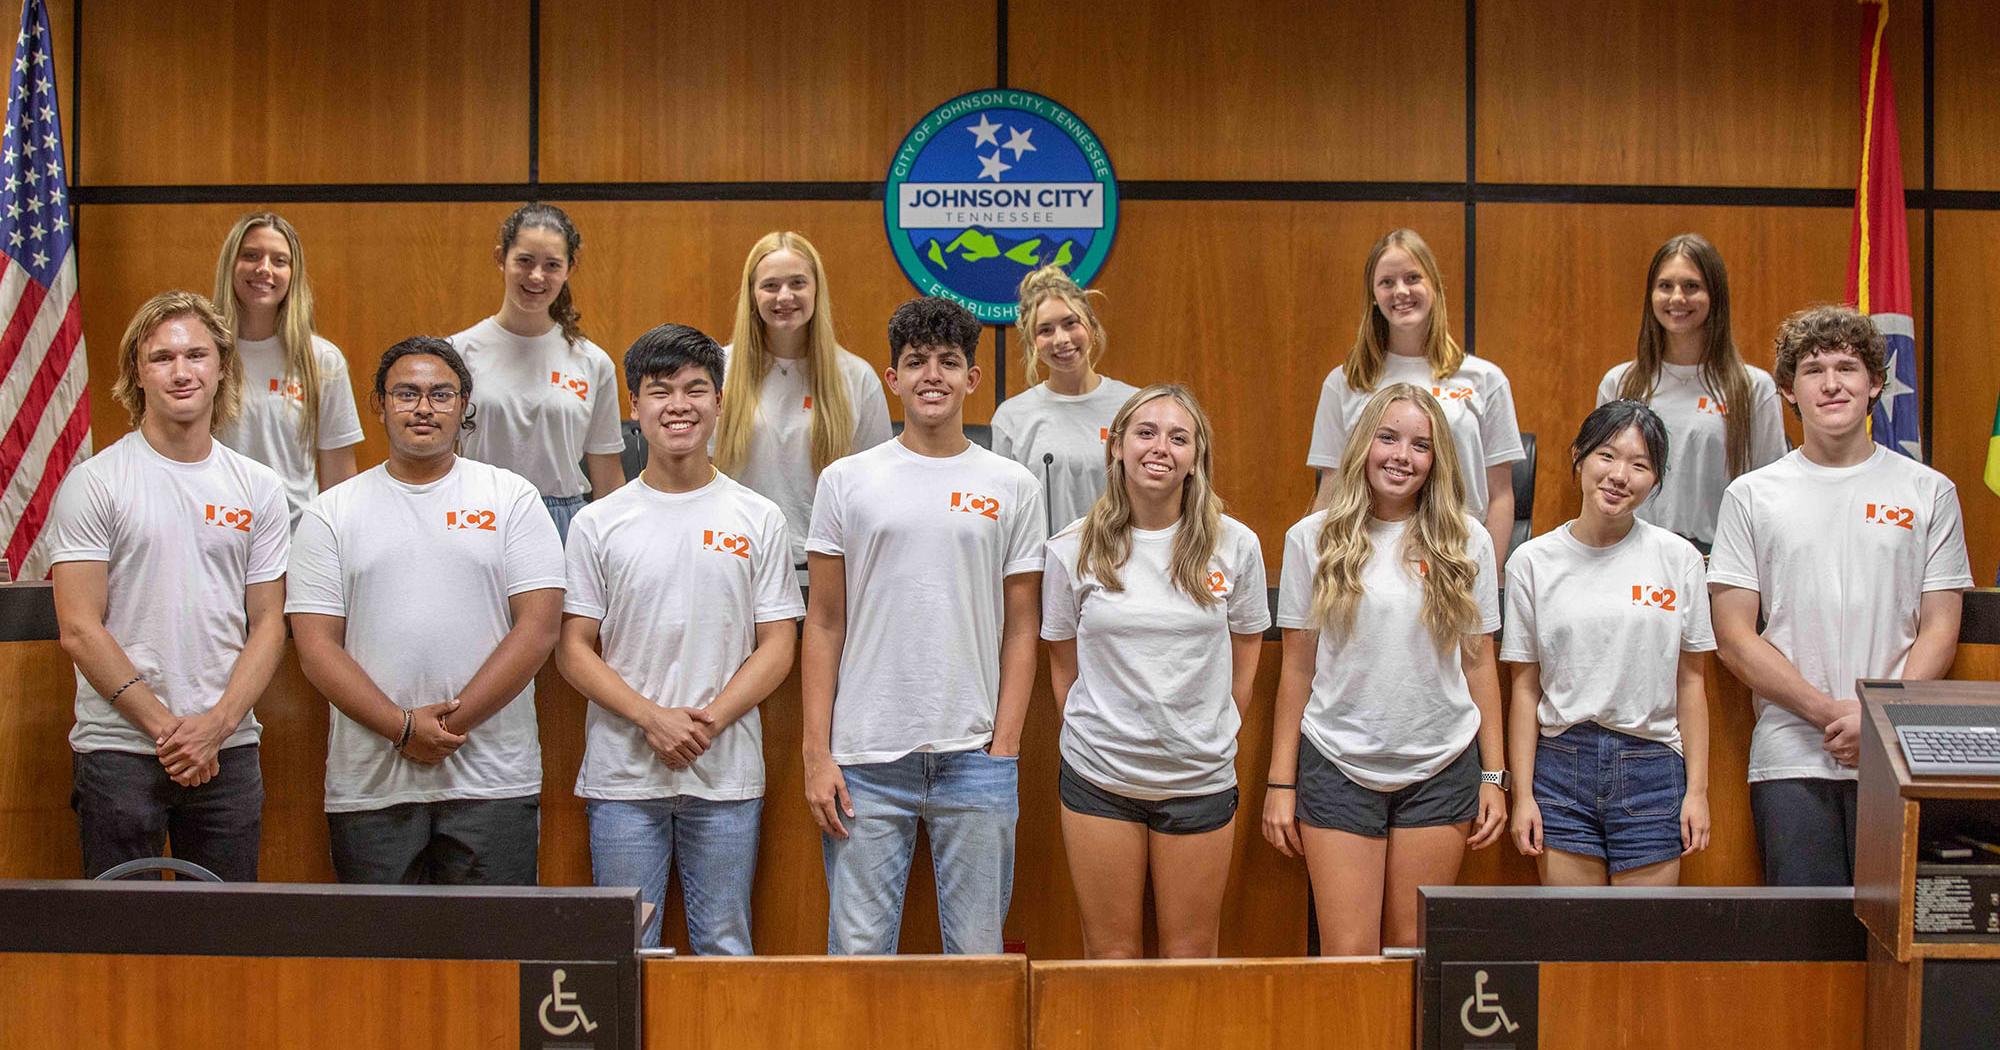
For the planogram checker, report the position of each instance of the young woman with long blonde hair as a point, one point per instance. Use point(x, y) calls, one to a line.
point(1386, 755)
point(299, 416)
point(794, 400)
point(1153, 606)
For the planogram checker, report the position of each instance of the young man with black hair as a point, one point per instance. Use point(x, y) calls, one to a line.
point(685, 580)
point(925, 558)
point(427, 596)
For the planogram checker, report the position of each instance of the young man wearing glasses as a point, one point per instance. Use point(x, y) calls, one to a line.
point(429, 593)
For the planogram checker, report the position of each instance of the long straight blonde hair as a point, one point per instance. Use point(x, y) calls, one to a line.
point(1437, 539)
point(1053, 282)
point(832, 434)
point(1371, 342)
point(1106, 543)
point(295, 314)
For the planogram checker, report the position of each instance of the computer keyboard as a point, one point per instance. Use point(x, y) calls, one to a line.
point(1949, 750)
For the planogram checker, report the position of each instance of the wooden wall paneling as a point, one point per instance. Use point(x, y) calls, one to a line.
point(58, 1002)
point(1976, 663)
point(1223, 1004)
point(62, 36)
point(1968, 373)
point(1220, 90)
point(638, 91)
point(1687, 92)
point(960, 1003)
point(1968, 123)
point(38, 833)
point(198, 92)
point(1645, 1005)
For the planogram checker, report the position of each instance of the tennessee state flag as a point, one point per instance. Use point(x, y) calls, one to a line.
point(1878, 262)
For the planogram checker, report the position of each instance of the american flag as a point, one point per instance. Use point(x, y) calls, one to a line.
point(44, 399)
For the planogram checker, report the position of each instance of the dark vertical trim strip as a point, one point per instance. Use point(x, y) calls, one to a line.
point(1000, 43)
point(75, 107)
point(1470, 280)
point(534, 96)
point(999, 364)
point(1927, 381)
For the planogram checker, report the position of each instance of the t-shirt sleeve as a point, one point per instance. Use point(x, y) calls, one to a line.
point(871, 410)
point(270, 533)
point(1486, 588)
point(339, 421)
point(1697, 629)
point(314, 582)
point(1946, 566)
point(1499, 428)
point(1732, 560)
point(1059, 611)
point(1295, 580)
point(1003, 433)
point(1768, 443)
point(775, 583)
point(1518, 643)
point(826, 533)
point(604, 436)
point(1027, 531)
point(1607, 390)
point(1249, 600)
point(534, 548)
point(80, 521)
point(583, 578)
point(1329, 437)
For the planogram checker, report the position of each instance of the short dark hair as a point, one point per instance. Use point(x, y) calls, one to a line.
point(427, 346)
point(1610, 420)
point(1818, 329)
point(667, 349)
point(930, 321)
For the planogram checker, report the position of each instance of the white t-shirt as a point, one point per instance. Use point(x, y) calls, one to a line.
point(267, 430)
point(1478, 404)
point(679, 582)
point(1071, 428)
point(1697, 447)
point(1841, 558)
point(1607, 625)
point(778, 465)
point(927, 542)
point(423, 573)
point(1388, 707)
point(1151, 715)
point(542, 405)
point(180, 541)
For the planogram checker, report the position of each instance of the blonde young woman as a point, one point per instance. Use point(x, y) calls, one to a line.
point(1057, 428)
point(1386, 754)
point(548, 396)
point(1722, 416)
point(1153, 606)
point(794, 400)
point(298, 416)
point(1405, 337)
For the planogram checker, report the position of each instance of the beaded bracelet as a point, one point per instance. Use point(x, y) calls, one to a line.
point(407, 723)
point(116, 693)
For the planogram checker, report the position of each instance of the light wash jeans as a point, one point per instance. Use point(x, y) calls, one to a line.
point(633, 841)
point(562, 510)
point(968, 800)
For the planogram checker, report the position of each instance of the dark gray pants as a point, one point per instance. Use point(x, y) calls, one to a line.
point(127, 807)
point(1805, 830)
point(456, 842)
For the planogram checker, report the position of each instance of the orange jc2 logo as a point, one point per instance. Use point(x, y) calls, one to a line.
point(1103, 434)
point(1218, 584)
point(290, 390)
point(1654, 597)
point(1710, 406)
point(973, 503)
point(1451, 393)
point(725, 542)
point(808, 406)
point(1884, 514)
point(574, 384)
point(481, 520)
point(237, 518)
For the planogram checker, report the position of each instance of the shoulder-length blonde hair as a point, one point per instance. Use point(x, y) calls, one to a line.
point(1722, 370)
point(1371, 342)
point(832, 434)
point(1437, 540)
point(295, 313)
point(1038, 287)
point(1106, 542)
point(152, 314)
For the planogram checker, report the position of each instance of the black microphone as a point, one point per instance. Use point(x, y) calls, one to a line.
point(1048, 501)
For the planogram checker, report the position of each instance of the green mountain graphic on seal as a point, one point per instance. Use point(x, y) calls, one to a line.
point(975, 246)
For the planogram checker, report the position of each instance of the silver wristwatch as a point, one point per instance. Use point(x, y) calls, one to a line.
point(1499, 778)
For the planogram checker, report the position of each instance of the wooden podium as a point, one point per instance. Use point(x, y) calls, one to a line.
point(1897, 814)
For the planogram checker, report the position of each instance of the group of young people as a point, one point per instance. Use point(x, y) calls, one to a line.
point(424, 594)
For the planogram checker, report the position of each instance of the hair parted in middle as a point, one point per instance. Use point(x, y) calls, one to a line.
point(1106, 540)
point(1722, 371)
point(1040, 286)
point(152, 314)
point(1371, 343)
point(831, 434)
point(1438, 537)
point(295, 314)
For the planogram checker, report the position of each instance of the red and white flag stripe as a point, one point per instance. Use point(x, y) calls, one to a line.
point(44, 406)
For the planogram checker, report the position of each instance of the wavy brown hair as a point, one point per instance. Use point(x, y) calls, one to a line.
point(152, 314)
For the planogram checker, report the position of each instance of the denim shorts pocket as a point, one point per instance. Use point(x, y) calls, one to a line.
point(1557, 779)
point(1651, 781)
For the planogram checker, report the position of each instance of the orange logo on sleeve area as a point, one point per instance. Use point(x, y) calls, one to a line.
point(725, 542)
point(1884, 514)
point(479, 520)
point(973, 503)
point(221, 517)
point(574, 384)
point(1662, 598)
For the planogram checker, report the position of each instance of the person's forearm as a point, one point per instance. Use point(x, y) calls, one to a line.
point(1289, 709)
point(1244, 651)
point(522, 652)
point(103, 663)
point(255, 665)
point(335, 673)
point(1482, 679)
point(1500, 521)
point(1017, 681)
point(585, 670)
point(819, 672)
point(1323, 489)
point(1758, 664)
point(1524, 727)
point(759, 676)
point(1936, 646)
point(607, 473)
point(1692, 711)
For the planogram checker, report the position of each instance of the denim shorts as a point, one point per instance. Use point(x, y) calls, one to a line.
point(1610, 795)
point(1327, 799)
point(1186, 815)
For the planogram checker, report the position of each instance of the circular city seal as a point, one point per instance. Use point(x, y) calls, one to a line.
point(991, 185)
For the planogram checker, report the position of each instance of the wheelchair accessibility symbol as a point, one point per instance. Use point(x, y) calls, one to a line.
point(563, 1004)
point(1481, 1002)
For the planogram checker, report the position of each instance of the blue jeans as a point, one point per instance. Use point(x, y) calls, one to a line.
point(633, 841)
point(968, 800)
point(562, 510)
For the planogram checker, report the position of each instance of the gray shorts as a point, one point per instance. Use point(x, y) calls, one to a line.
point(1327, 799)
point(1186, 815)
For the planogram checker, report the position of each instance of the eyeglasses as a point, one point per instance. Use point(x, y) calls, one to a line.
point(406, 398)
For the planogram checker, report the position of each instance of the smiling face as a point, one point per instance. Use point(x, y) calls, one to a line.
point(1832, 390)
point(535, 267)
point(1062, 338)
point(1617, 476)
point(932, 382)
point(263, 272)
point(1399, 460)
point(1157, 449)
point(784, 290)
point(1680, 296)
point(677, 412)
point(421, 407)
point(179, 370)
point(1402, 293)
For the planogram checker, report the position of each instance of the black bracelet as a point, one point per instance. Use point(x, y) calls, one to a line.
point(120, 691)
point(1287, 787)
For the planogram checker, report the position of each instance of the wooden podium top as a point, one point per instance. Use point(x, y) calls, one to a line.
point(1879, 734)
